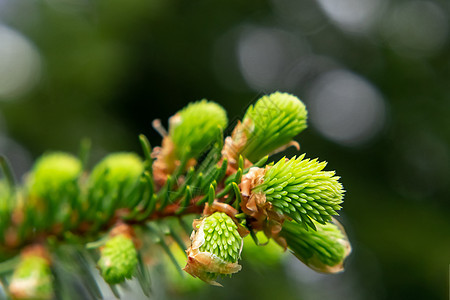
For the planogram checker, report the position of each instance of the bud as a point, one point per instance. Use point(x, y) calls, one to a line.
point(192, 130)
point(118, 259)
point(299, 189)
point(195, 127)
point(270, 124)
point(32, 278)
point(117, 171)
point(54, 176)
point(215, 248)
point(323, 250)
point(118, 168)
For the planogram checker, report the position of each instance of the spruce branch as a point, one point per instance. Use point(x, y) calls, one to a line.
point(127, 208)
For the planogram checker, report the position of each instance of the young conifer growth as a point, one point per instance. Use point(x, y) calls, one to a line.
point(323, 250)
point(32, 278)
point(195, 127)
point(117, 169)
point(271, 123)
point(54, 176)
point(268, 125)
point(300, 189)
point(118, 259)
point(192, 131)
point(115, 179)
point(216, 247)
point(52, 190)
point(221, 237)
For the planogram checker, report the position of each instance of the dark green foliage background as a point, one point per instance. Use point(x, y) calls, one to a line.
point(111, 67)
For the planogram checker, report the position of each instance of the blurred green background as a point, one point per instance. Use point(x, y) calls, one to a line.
point(375, 75)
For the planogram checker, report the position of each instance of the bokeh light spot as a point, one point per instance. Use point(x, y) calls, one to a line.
point(20, 64)
point(265, 54)
point(352, 15)
point(346, 108)
point(416, 28)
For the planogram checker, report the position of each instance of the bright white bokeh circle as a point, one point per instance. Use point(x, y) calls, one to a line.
point(20, 64)
point(346, 108)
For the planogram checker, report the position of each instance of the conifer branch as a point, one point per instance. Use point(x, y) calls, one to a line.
point(126, 205)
